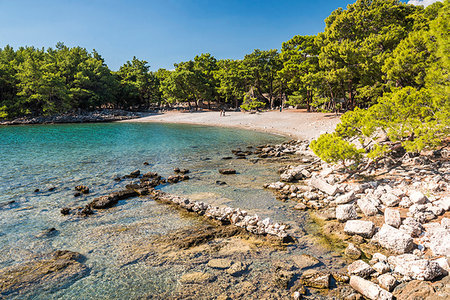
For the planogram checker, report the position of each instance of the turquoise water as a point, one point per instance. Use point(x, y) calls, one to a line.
point(60, 157)
point(63, 156)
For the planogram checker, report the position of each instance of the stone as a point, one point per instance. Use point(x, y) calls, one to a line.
point(237, 269)
point(376, 257)
point(417, 197)
point(420, 269)
point(390, 199)
point(324, 186)
point(444, 203)
point(300, 206)
point(346, 212)
point(387, 282)
point(82, 188)
point(219, 263)
point(369, 289)
point(412, 227)
point(437, 238)
point(392, 217)
point(360, 268)
point(315, 279)
point(416, 289)
point(381, 267)
point(367, 207)
point(365, 229)
point(340, 277)
point(65, 211)
point(197, 278)
point(305, 261)
point(445, 223)
point(282, 278)
point(352, 252)
point(227, 171)
point(346, 198)
point(394, 239)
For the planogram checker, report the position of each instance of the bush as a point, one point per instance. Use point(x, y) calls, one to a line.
point(333, 149)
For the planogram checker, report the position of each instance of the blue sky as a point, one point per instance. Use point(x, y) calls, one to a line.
point(162, 32)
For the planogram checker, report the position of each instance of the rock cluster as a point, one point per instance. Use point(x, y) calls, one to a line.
point(227, 215)
point(105, 115)
point(408, 199)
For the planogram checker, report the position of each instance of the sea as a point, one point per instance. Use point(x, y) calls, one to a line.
point(40, 165)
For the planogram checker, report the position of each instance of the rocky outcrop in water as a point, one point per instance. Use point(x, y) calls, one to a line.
point(105, 115)
point(227, 215)
point(54, 270)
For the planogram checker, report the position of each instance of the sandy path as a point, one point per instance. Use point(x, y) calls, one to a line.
point(293, 123)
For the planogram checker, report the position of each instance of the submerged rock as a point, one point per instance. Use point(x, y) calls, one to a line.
point(197, 278)
point(59, 268)
point(219, 263)
point(315, 279)
point(227, 171)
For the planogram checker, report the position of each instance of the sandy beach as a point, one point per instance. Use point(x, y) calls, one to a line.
point(297, 124)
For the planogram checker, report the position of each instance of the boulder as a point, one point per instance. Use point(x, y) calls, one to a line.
point(420, 269)
point(325, 187)
point(352, 252)
point(346, 198)
point(315, 279)
point(365, 229)
point(369, 289)
point(387, 282)
point(346, 212)
point(394, 239)
point(392, 217)
point(367, 207)
point(417, 197)
point(412, 227)
point(389, 199)
point(381, 267)
point(360, 268)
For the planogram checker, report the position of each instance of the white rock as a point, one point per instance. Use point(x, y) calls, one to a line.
point(367, 207)
point(378, 257)
point(445, 223)
point(387, 281)
point(381, 267)
point(363, 228)
point(421, 269)
point(417, 197)
point(405, 202)
point(444, 203)
point(394, 239)
point(360, 268)
point(412, 227)
point(443, 263)
point(369, 289)
point(346, 212)
point(346, 198)
point(390, 199)
point(324, 186)
point(392, 217)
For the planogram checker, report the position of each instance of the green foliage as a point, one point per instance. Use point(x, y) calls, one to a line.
point(333, 149)
point(251, 103)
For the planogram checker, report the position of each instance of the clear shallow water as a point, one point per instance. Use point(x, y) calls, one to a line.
point(63, 156)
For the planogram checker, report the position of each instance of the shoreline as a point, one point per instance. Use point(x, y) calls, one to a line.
point(295, 124)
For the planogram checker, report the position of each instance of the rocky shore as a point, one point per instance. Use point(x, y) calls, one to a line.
point(105, 115)
point(399, 206)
